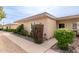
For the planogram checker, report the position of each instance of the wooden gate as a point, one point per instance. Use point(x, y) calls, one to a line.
point(37, 33)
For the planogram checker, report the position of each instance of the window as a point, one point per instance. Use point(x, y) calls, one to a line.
point(61, 25)
point(74, 26)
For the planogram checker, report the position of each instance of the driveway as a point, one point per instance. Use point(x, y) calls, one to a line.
point(8, 46)
point(12, 43)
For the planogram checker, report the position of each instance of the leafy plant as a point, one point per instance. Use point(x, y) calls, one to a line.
point(8, 30)
point(2, 14)
point(20, 30)
point(64, 37)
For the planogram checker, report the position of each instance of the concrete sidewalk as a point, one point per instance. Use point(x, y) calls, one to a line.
point(7, 46)
point(29, 46)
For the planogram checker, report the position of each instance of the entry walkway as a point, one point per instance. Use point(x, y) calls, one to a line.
point(7, 46)
point(29, 46)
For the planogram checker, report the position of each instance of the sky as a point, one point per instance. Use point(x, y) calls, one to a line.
point(14, 13)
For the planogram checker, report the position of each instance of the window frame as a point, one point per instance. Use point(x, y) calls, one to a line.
point(61, 25)
point(74, 25)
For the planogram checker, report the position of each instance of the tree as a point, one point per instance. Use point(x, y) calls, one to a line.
point(2, 14)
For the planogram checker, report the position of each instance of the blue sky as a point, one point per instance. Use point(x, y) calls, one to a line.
point(14, 13)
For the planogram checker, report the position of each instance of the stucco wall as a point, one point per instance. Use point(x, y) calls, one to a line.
point(27, 24)
point(49, 25)
point(14, 26)
point(68, 23)
point(11, 26)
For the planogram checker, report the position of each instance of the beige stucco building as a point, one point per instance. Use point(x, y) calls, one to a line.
point(46, 19)
point(51, 23)
point(1, 26)
point(11, 26)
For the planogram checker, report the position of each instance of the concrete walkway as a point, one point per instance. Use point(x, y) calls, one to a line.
point(29, 46)
point(7, 46)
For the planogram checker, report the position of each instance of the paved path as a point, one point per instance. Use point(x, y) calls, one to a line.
point(29, 46)
point(23, 45)
point(8, 46)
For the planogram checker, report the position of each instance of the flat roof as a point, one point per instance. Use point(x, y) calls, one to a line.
point(68, 17)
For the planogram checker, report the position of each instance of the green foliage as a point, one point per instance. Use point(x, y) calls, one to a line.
point(9, 30)
point(30, 34)
point(64, 37)
point(2, 13)
point(20, 30)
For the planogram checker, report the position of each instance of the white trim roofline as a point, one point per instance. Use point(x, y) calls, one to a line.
point(44, 14)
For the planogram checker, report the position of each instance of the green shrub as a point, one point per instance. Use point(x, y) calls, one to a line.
point(20, 30)
point(8, 30)
point(64, 37)
point(11, 30)
point(30, 34)
point(24, 32)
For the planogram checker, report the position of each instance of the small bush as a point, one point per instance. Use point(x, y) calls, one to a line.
point(20, 30)
point(11, 30)
point(64, 37)
point(8, 30)
point(24, 33)
point(30, 34)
